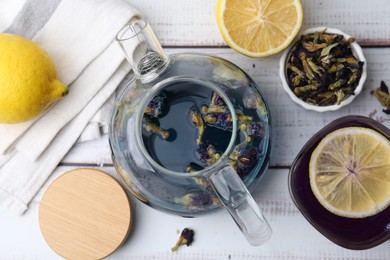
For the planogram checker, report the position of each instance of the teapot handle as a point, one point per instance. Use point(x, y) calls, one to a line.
point(241, 205)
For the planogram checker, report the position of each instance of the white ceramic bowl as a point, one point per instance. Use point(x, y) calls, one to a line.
point(358, 53)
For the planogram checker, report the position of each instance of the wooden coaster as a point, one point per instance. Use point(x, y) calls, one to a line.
point(85, 214)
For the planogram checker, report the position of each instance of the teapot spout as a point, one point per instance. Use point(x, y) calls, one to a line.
point(142, 50)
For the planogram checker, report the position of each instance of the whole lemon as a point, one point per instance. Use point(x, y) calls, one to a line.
point(28, 84)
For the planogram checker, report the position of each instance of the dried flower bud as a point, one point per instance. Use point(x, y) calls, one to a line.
point(383, 96)
point(186, 238)
point(199, 124)
point(156, 105)
point(150, 126)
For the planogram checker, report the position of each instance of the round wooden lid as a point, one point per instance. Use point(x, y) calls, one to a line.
point(85, 214)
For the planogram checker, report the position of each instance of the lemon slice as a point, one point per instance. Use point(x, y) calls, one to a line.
point(259, 28)
point(350, 172)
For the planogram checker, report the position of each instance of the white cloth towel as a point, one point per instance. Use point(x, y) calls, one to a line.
point(80, 37)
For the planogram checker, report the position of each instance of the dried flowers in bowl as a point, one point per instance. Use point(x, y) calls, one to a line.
point(323, 70)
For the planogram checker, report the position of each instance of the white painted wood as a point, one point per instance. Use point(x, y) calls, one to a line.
point(216, 235)
point(192, 22)
point(292, 125)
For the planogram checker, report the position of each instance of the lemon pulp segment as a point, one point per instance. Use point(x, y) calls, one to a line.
point(259, 28)
point(350, 172)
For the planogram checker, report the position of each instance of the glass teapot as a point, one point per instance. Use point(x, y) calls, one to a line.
point(190, 133)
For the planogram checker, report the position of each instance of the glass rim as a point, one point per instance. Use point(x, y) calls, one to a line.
point(138, 126)
point(143, 23)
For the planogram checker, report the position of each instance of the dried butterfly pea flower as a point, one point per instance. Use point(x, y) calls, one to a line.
point(325, 51)
point(298, 77)
point(186, 238)
point(217, 100)
point(198, 200)
point(248, 156)
point(312, 46)
point(222, 120)
point(155, 106)
point(322, 36)
point(243, 118)
point(193, 167)
point(322, 63)
point(338, 84)
point(384, 87)
point(218, 116)
point(204, 109)
point(353, 78)
point(211, 119)
point(150, 126)
point(199, 124)
point(204, 183)
point(316, 69)
point(340, 96)
point(215, 109)
point(299, 90)
point(252, 129)
point(331, 38)
point(207, 153)
point(306, 67)
point(243, 158)
point(382, 95)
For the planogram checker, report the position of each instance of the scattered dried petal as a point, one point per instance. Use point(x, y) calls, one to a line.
point(382, 95)
point(186, 238)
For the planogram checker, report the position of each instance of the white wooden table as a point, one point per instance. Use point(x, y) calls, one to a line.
point(190, 26)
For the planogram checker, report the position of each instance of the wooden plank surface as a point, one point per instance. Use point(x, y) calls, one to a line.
point(292, 125)
point(216, 235)
point(192, 22)
point(190, 26)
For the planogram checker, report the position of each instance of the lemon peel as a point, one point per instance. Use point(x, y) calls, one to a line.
point(28, 80)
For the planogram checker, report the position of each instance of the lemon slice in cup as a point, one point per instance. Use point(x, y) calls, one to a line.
point(259, 28)
point(350, 172)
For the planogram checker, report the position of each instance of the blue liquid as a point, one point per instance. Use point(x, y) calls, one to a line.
point(177, 154)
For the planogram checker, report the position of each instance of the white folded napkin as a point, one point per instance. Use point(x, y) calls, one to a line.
point(80, 37)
